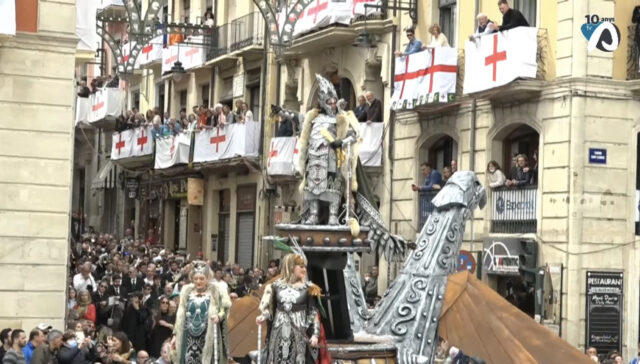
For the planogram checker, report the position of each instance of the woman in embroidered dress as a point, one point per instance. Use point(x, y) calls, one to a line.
point(202, 307)
point(290, 306)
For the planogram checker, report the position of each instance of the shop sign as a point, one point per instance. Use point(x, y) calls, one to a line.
point(195, 191)
point(164, 190)
point(514, 204)
point(604, 311)
point(501, 256)
point(131, 186)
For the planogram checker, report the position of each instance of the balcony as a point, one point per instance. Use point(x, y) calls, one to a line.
point(107, 104)
point(426, 207)
point(513, 210)
point(132, 148)
point(111, 9)
point(243, 34)
point(519, 89)
point(283, 154)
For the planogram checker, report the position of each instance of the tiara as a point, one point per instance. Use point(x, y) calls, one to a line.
point(200, 267)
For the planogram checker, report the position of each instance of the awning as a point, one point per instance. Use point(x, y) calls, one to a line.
point(106, 177)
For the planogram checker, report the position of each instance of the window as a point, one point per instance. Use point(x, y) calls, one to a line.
point(254, 102)
point(447, 20)
point(183, 99)
point(528, 8)
point(135, 99)
point(160, 99)
point(204, 95)
point(224, 227)
point(246, 205)
point(186, 10)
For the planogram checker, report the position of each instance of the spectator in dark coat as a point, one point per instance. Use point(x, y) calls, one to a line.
point(136, 323)
point(46, 353)
point(361, 110)
point(374, 113)
point(431, 178)
point(73, 352)
point(511, 18)
point(523, 173)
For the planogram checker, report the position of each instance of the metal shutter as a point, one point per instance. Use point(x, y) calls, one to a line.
point(245, 240)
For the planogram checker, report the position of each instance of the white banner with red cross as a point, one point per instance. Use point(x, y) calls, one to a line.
point(232, 140)
point(169, 57)
point(192, 56)
point(8, 17)
point(152, 51)
point(172, 150)
point(425, 77)
point(371, 145)
point(321, 13)
point(83, 108)
point(143, 141)
point(122, 144)
point(281, 156)
point(496, 59)
point(365, 7)
point(108, 101)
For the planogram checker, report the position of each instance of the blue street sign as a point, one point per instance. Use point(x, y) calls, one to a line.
point(466, 262)
point(597, 156)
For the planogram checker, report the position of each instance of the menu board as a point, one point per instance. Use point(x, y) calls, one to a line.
point(604, 311)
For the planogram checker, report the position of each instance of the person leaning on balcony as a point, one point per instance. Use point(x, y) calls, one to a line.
point(208, 18)
point(438, 39)
point(361, 110)
point(511, 18)
point(484, 27)
point(374, 112)
point(431, 178)
point(523, 173)
point(494, 175)
point(228, 115)
point(414, 45)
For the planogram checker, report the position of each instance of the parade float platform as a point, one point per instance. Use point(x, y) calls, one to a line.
point(326, 238)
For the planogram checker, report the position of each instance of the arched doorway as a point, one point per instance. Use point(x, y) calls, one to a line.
point(523, 140)
point(438, 151)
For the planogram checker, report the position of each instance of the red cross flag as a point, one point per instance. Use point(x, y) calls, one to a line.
point(192, 56)
point(211, 144)
point(360, 8)
point(122, 144)
point(152, 51)
point(321, 13)
point(281, 156)
point(169, 57)
point(496, 59)
point(171, 151)
point(143, 142)
point(427, 76)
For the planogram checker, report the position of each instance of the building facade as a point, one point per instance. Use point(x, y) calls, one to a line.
point(578, 217)
point(36, 82)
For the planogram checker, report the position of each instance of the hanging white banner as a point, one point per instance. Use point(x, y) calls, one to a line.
point(152, 51)
point(122, 144)
point(169, 57)
point(85, 24)
point(83, 108)
point(192, 56)
point(171, 150)
point(233, 140)
point(362, 7)
point(8, 17)
point(425, 77)
point(321, 13)
point(108, 101)
point(281, 156)
point(496, 59)
point(371, 145)
point(143, 141)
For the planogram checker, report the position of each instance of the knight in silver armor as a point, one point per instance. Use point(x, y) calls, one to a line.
point(322, 145)
point(290, 305)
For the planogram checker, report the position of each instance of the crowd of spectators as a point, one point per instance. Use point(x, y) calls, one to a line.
point(123, 295)
point(522, 173)
point(201, 117)
point(433, 180)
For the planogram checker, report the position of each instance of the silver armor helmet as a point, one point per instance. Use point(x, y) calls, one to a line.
point(326, 93)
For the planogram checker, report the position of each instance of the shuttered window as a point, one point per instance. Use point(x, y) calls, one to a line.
point(245, 239)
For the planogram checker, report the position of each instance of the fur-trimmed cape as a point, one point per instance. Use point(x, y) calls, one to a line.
point(219, 305)
point(343, 121)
